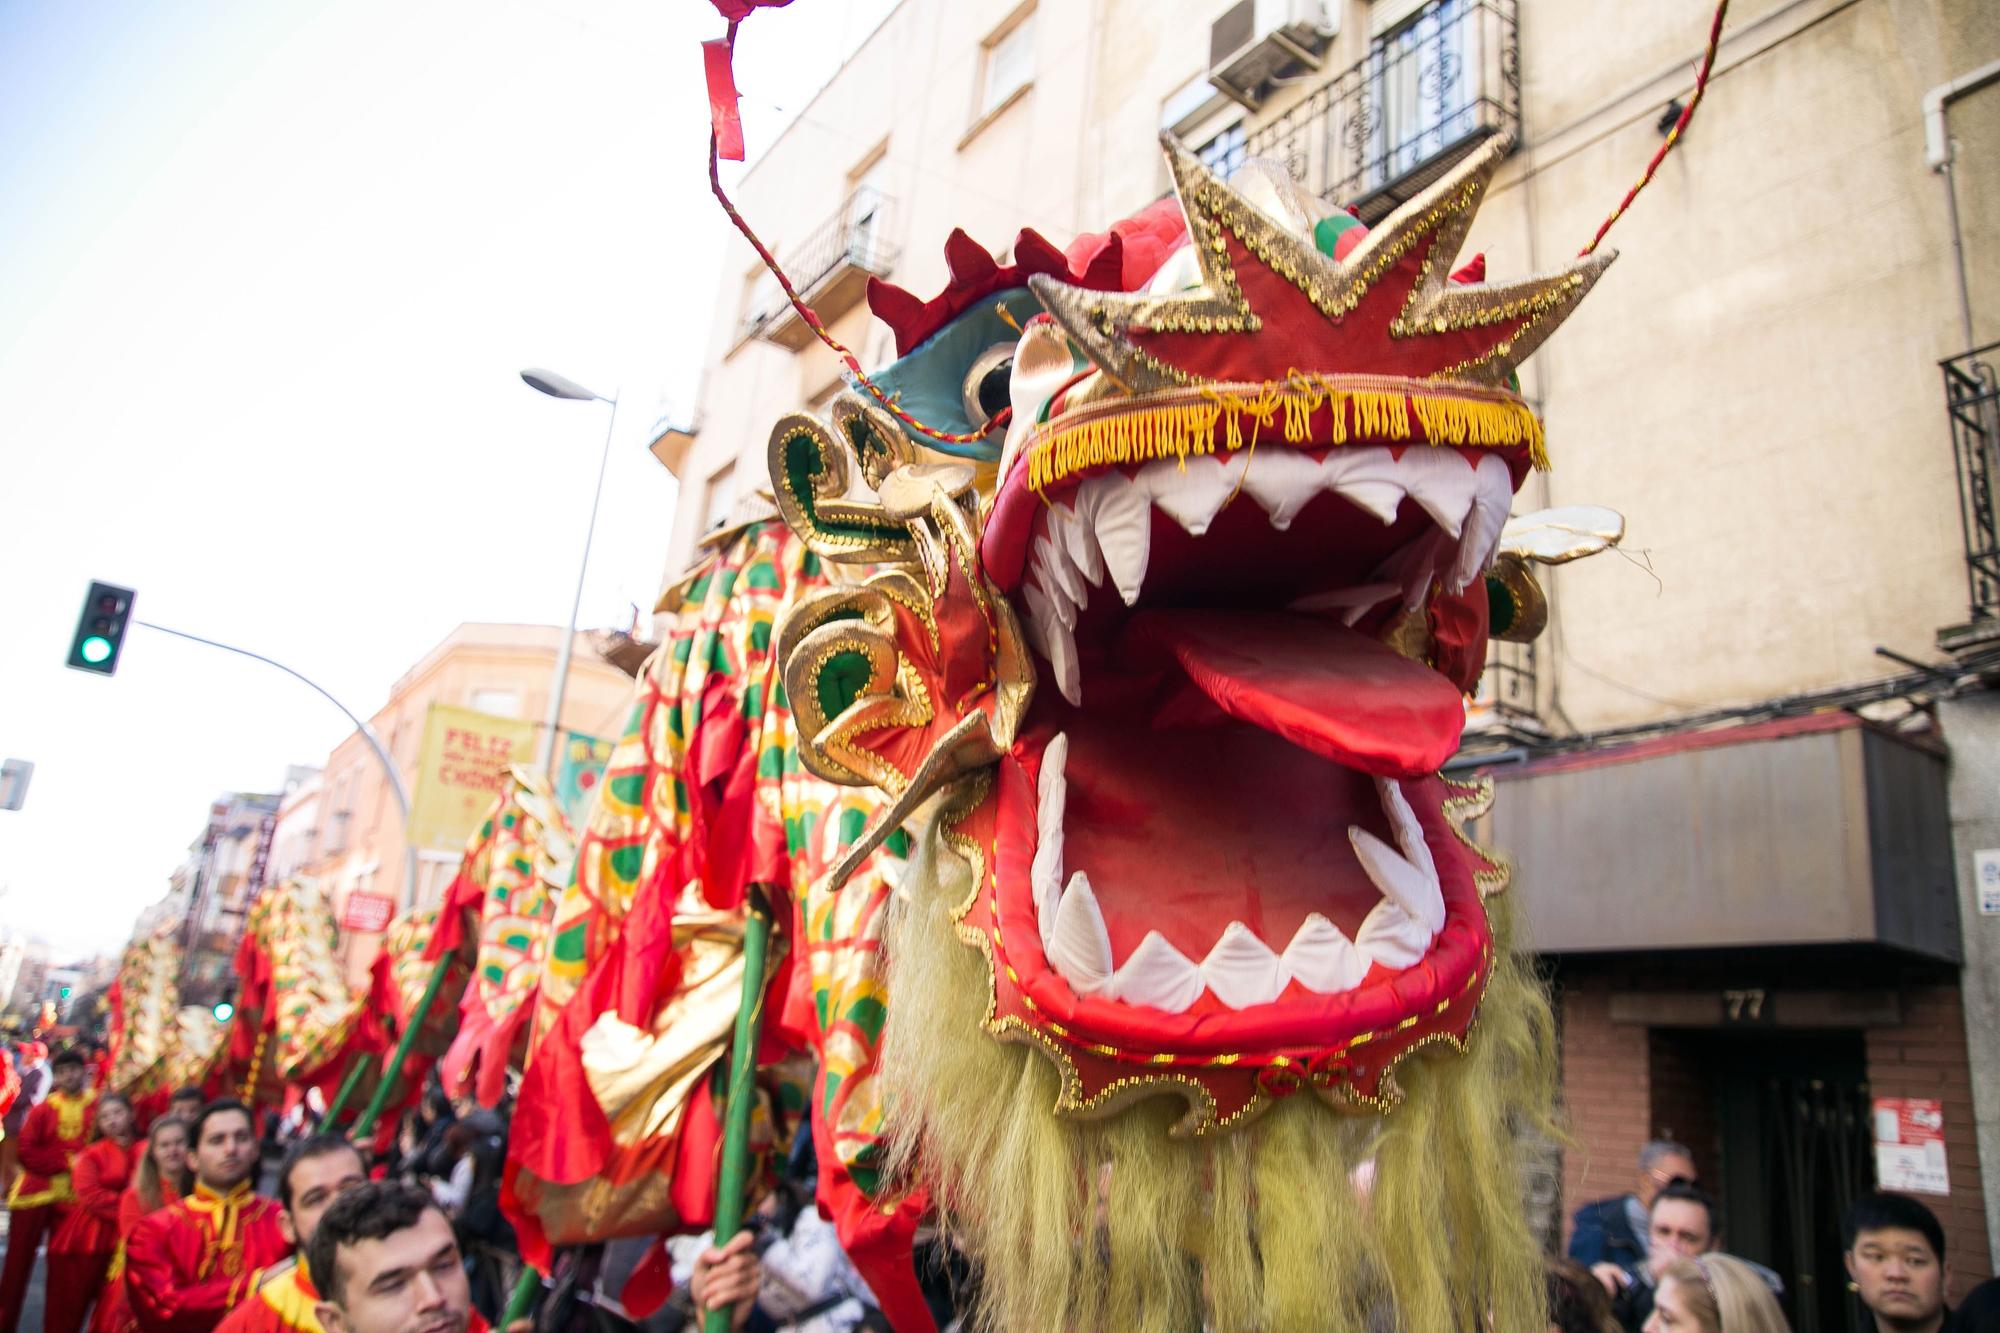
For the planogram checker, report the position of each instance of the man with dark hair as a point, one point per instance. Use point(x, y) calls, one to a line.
point(317, 1171)
point(51, 1136)
point(1614, 1230)
point(385, 1261)
point(189, 1264)
point(1895, 1261)
point(186, 1104)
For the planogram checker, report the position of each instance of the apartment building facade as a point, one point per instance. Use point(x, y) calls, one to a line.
point(1750, 776)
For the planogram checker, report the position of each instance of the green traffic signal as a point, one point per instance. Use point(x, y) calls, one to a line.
point(100, 630)
point(65, 992)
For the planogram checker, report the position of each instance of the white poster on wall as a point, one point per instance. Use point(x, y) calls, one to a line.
point(1986, 874)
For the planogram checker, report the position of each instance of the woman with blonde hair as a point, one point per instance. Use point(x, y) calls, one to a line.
point(1713, 1293)
point(158, 1178)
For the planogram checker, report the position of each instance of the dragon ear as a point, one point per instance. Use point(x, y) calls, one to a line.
point(877, 440)
point(1518, 608)
point(842, 667)
point(810, 478)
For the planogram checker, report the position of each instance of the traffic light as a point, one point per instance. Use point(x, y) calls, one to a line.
point(100, 630)
point(64, 992)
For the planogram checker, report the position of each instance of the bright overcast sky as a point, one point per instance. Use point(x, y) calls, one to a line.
point(267, 274)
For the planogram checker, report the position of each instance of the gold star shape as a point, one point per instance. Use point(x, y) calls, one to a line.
point(1476, 333)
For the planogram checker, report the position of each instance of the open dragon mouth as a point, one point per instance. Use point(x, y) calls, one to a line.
point(1264, 619)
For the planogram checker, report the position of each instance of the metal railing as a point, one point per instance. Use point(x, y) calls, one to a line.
point(1972, 397)
point(1426, 94)
point(856, 236)
point(1509, 687)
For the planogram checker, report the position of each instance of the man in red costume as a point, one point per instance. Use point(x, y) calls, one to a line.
point(317, 1171)
point(51, 1137)
point(189, 1264)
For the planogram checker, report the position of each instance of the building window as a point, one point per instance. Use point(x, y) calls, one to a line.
point(1225, 152)
point(1007, 63)
point(721, 495)
point(1424, 89)
point(499, 703)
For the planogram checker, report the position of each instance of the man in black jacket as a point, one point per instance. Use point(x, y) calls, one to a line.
point(1614, 1230)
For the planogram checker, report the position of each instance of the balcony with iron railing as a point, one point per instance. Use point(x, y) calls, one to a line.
point(1426, 94)
point(830, 269)
point(1972, 400)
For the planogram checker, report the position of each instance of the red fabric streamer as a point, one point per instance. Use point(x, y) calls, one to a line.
point(1674, 134)
point(725, 116)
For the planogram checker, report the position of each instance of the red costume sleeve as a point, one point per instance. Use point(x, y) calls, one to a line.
point(43, 1150)
point(130, 1209)
point(99, 1178)
point(252, 1315)
point(160, 1259)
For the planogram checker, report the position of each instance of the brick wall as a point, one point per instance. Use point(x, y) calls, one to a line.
point(1682, 1101)
point(1925, 1057)
point(1606, 1096)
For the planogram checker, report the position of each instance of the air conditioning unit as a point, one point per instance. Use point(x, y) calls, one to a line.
point(1258, 40)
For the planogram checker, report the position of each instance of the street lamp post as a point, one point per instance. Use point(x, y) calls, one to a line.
point(558, 386)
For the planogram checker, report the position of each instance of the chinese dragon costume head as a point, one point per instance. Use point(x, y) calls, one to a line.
point(1204, 1013)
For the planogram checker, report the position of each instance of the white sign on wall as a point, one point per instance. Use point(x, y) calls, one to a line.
point(1986, 874)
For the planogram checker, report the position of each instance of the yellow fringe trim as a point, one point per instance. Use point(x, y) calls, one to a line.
point(1215, 422)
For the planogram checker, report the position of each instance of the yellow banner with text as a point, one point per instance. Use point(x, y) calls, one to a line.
point(462, 767)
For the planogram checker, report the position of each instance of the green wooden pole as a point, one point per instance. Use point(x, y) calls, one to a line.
point(346, 1093)
point(373, 1111)
point(523, 1297)
point(735, 1172)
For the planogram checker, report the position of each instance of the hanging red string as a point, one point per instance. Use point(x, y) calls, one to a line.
point(1674, 134)
point(806, 312)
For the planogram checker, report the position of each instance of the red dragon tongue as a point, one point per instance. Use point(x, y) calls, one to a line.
point(1319, 685)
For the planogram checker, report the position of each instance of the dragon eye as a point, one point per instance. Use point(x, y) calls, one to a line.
point(989, 383)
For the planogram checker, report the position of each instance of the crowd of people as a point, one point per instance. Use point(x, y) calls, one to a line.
point(159, 1228)
point(1652, 1261)
point(165, 1232)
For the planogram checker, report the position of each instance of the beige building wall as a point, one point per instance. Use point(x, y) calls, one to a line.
point(356, 842)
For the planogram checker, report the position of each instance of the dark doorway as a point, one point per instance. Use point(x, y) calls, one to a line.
point(1779, 1122)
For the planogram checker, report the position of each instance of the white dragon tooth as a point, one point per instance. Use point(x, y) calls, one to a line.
point(1283, 481)
point(1080, 947)
point(1322, 959)
point(1079, 542)
point(1123, 519)
point(1364, 477)
point(1051, 795)
point(1065, 578)
point(1052, 638)
point(1392, 937)
point(1410, 840)
point(1484, 520)
point(1158, 975)
point(1062, 661)
point(1241, 969)
point(1041, 613)
point(1443, 483)
point(1419, 895)
point(1193, 491)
